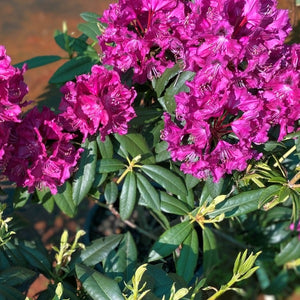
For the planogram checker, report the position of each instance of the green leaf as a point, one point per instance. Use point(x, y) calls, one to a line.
point(84, 177)
point(213, 189)
point(90, 17)
point(170, 240)
point(97, 285)
point(290, 252)
point(38, 61)
point(168, 101)
point(10, 293)
point(187, 261)
point(148, 193)
point(107, 165)
point(126, 257)
point(90, 29)
point(268, 194)
point(105, 147)
point(99, 249)
point(242, 203)
point(210, 250)
point(128, 196)
point(160, 84)
point(16, 275)
point(167, 179)
point(74, 67)
point(46, 199)
point(111, 192)
point(172, 205)
point(64, 200)
point(136, 145)
point(191, 181)
point(21, 196)
point(162, 153)
point(36, 256)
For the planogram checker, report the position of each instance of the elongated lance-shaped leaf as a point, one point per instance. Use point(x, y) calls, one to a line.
point(187, 261)
point(97, 285)
point(210, 250)
point(168, 180)
point(128, 196)
point(172, 205)
point(170, 240)
point(136, 145)
point(105, 147)
point(111, 192)
point(84, 177)
point(290, 252)
point(148, 193)
point(64, 199)
point(107, 165)
point(99, 249)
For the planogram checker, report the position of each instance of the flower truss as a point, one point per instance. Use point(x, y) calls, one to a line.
point(97, 102)
point(246, 80)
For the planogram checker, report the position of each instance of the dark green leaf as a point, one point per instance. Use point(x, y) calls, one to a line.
point(187, 261)
point(10, 293)
point(128, 196)
point(21, 196)
point(210, 250)
point(167, 179)
point(38, 61)
point(211, 190)
point(105, 147)
point(111, 192)
point(242, 203)
point(136, 145)
point(290, 252)
point(36, 255)
point(160, 84)
point(126, 257)
point(107, 165)
point(191, 181)
point(168, 101)
point(157, 281)
point(97, 285)
point(148, 193)
point(172, 205)
point(16, 275)
point(84, 177)
point(64, 200)
point(170, 240)
point(268, 194)
point(162, 153)
point(90, 17)
point(46, 199)
point(74, 67)
point(99, 249)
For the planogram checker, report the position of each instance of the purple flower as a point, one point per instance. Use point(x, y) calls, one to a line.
point(12, 88)
point(42, 154)
point(97, 102)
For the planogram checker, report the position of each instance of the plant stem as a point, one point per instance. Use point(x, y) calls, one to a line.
point(224, 289)
point(127, 222)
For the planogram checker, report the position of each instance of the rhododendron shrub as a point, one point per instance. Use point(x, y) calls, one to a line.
point(184, 127)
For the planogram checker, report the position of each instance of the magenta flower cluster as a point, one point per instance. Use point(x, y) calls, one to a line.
point(97, 102)
point(37, 149)
point(246, 79)
point(42, 154)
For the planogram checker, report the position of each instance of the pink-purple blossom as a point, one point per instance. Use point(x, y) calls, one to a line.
point(12, 88)
point(97, 103)
point(246, 83)
point(43, 155)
